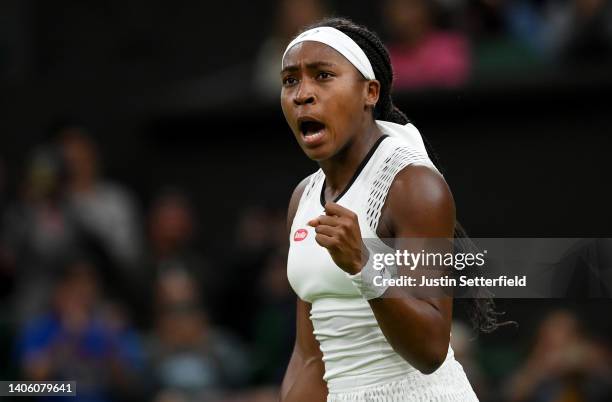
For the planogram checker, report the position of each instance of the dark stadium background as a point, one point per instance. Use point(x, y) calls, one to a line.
point(165, 90)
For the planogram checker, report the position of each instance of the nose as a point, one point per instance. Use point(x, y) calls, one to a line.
point(304, 94)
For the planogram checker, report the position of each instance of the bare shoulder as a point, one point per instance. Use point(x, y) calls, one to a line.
point(419, 203)
point(295, 200)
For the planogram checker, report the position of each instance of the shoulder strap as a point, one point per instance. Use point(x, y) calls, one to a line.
point(398, 158)
point(315, 178)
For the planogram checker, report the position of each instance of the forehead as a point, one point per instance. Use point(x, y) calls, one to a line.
point(310, 52)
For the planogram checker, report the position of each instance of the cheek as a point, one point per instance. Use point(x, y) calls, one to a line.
point(350, 94)
point(346, 108)
point(285, 102)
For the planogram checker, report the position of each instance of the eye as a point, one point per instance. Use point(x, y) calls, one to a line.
point(323, 75)
point(289, 80)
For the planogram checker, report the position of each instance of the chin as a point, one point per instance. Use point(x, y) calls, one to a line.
point(321, 152)
point(318, 154)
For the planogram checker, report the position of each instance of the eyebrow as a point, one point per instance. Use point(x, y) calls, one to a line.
point(310, 66)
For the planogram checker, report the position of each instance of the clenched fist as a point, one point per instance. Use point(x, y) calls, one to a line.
point(338, 231)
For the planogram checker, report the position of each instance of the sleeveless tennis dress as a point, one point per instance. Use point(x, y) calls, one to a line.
point(360, 365)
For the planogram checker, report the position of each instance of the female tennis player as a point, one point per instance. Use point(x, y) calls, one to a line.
point(375, 181)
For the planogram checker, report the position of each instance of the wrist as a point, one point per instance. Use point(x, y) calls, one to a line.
point(359, 263)
point(370, 281)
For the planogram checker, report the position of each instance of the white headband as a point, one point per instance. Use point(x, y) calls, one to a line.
point(342, 43)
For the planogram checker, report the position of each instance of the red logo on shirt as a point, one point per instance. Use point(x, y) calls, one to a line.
point(300, 234)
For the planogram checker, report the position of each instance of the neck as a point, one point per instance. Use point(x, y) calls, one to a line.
point(340, 168)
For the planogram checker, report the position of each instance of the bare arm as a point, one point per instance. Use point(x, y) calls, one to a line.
point(419, 205)
point(303, 379)
point(304, 376)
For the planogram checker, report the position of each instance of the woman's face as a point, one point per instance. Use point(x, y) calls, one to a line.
point(325, 99)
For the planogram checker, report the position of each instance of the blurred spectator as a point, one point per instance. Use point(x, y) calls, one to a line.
point(579, 32)
point(189, 359)
point(103, 209)
point(564, 365)
point(259, 232)
point(176, 287)
point(422, 54)
point(524, 21)
point(82, 338)
point(171, 229)
point(292, 16)
point(38, 231)
point(274, 322)
point(506, 36)
point(171, 225)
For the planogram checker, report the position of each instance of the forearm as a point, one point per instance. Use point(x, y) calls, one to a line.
point(304, 380)
point(416, 329)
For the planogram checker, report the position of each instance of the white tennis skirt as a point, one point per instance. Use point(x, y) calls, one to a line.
point(447, 384)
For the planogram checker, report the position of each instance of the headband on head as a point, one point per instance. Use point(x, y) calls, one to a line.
point(342, 43)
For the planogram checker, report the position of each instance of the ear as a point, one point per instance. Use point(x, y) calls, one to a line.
point(372, 93)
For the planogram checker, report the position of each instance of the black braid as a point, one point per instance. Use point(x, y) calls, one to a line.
point(482, 307)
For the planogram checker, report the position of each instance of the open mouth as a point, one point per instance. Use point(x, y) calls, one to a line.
point(311, 130)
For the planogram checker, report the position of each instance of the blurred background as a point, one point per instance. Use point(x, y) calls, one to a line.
point(146, 167)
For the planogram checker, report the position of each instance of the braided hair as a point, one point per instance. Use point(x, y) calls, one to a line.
point(480, 306)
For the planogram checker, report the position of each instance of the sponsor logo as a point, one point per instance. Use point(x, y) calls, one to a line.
point(300, 234)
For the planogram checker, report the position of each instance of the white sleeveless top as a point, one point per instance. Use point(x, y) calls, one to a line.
point(355, 351)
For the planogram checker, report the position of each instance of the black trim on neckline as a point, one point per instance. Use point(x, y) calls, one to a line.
point(355, 175)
